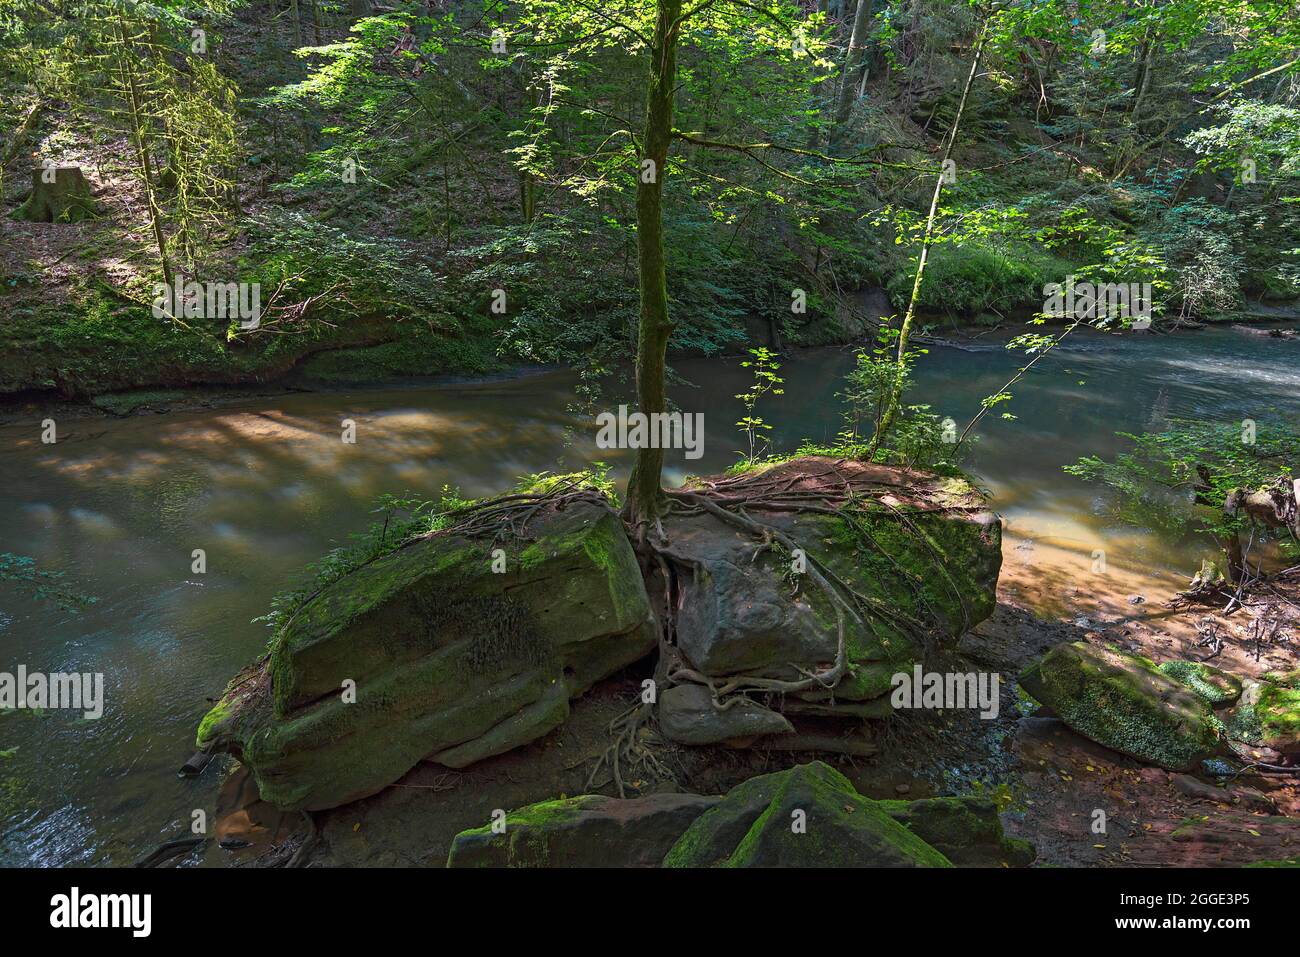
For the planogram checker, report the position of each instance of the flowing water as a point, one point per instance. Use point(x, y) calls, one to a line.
point(264, 487)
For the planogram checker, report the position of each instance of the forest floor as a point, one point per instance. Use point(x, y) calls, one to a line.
point(1155, 818)
point(1050, 780)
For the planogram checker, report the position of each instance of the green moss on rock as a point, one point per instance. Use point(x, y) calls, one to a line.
point(966, 830)
point(1124, 702)
point(1268, 715)
point(590, 830)
point(449, 660)
point(1219, 688)
point(807, 816)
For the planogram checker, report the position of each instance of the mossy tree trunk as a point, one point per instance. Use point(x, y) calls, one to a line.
point(644, 488)
point(127, 60)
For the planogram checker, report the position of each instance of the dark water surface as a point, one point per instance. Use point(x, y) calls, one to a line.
point(266, 487)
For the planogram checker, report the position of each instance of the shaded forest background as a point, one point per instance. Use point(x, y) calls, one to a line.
point(383, 170)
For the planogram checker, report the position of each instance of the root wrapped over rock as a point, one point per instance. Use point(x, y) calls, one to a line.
point(812, 582)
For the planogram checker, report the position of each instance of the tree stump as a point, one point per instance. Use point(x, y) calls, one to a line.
point(63, 197)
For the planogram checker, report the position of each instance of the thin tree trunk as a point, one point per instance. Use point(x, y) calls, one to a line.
point(131, 87)
point(853, 62)
point(905, 332)
point(644, 488)
point(297, 21)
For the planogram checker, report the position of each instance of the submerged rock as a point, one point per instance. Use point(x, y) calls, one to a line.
point(807, 816)
point(923, 551)
point(966, 830)
point(1125, 703)
point(590, 830)
point(451, 661)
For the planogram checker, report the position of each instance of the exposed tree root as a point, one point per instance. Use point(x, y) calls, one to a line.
point(299, 858)
point(834, 491)
point(628, 753)
point(509, 516)
point(168, 849)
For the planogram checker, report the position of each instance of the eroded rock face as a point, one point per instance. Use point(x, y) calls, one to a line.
point(1125, 703)
point(590, 830)
point(451, 661)
point(807, 816)
point(923, 550)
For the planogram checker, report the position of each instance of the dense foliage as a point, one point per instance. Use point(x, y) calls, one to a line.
point(429, 186)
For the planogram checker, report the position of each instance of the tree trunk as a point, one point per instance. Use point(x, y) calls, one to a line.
point(64, 199)
point(891, 410)
point(297, 21)
point(131, 89)
point(854, 59)
point(644, 487)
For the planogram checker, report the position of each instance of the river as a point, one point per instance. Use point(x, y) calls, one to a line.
point(267, 485)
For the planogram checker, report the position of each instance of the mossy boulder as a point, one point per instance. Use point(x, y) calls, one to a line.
point(1281, 862)
point(966, 830)
point(590, 830)
point(1268, 716)
point(1125, 703)
point(807, 816)
point(1218, 688)
point(922, 551)
point(450, 661)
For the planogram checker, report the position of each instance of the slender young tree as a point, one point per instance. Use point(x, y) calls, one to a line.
point(905, 330)
point(854, 61)
point(643, 496)
point(661, 29)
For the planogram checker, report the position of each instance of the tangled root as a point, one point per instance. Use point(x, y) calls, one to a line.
point(628, 753)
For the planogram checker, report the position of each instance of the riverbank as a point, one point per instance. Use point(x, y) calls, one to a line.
point(339, 368)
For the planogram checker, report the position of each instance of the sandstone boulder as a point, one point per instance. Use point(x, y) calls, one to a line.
point(966, 830)
point(807, 816)
point(1125, 703)
point(922, 551)
point(1268, 716)
point(450, 661)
